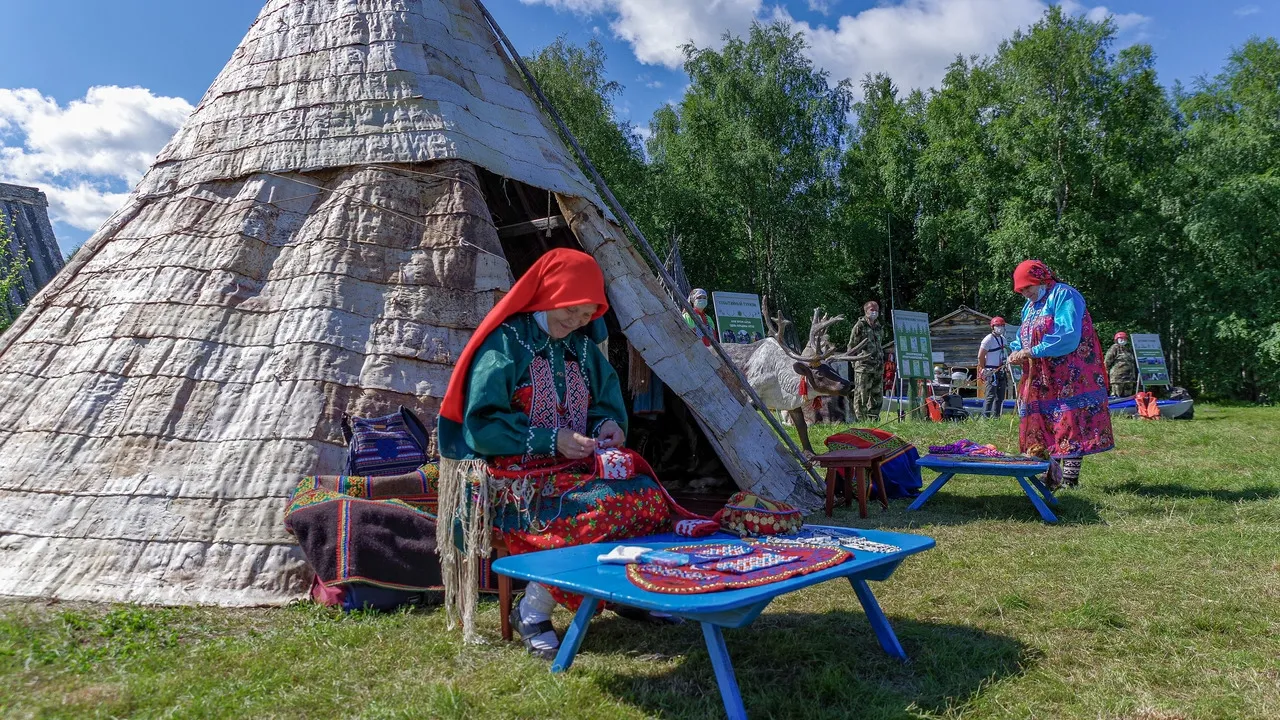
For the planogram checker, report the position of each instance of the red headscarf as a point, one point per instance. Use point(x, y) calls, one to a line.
point(997, 320)
point(1121, 334)
point(1032, 272)
point(559, 279)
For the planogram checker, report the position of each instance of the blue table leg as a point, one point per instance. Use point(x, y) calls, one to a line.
point(1043, 509)
point(934, 487)
point(724, 672)
point(1044, 491)
point(884, 633)
point(573, 636)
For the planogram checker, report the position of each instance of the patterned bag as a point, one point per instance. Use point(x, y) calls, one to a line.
point(748, 514)
point(390, 445)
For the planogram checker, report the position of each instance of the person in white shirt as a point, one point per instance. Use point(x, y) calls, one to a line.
point(992, 353)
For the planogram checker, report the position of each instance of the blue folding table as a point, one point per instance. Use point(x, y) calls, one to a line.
point(1025, 472)
point(576, 569)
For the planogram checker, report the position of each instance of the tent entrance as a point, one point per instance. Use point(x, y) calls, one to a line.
point(662, 427)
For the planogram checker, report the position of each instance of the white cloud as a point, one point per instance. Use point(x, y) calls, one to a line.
point(915, 41)
point(648, 81)
point(85, 154)
point(656, 29)
point(1098, 13)
point(1246, 10)
point(821, 6)
point(912, 40)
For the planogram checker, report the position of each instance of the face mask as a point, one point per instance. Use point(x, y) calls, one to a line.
point(700, 302)
point(1122, 341)
point(1040, 291)
point(873, 315)
point(540, 318)
point(998, 331)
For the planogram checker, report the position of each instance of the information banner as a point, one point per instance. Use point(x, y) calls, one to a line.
point(1151, 367)
point(912, 344)
point(738, 317)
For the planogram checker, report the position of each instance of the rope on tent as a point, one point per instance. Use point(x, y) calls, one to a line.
point(468, 183)
point(818, 485)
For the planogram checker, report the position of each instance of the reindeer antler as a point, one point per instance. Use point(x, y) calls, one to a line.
point(777, 326)
point(850, 354)
point(821, 321)
point(815, 351)
point(778, 329)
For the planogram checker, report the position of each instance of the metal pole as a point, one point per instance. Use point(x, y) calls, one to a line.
point(631, 227)
point(906, 389)
point(888, 231)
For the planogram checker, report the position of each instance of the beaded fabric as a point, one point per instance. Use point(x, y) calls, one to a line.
point(701, 579)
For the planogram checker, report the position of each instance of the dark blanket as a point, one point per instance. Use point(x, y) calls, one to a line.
point(376, 530)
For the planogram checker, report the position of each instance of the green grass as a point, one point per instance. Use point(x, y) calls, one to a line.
point(1156, 597)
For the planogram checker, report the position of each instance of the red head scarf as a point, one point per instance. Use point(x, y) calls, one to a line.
point(1032, 272)
point(559, 279)
point(997, 320)
point(1122, 334)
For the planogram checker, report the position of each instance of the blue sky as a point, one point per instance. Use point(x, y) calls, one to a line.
point(90, 90)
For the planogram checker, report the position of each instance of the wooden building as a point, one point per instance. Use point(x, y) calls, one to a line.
point(957, 335)
point(25, 213)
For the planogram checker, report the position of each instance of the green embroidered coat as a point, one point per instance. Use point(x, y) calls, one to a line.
point(493, 424)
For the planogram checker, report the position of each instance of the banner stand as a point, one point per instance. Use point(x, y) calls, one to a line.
point(913, 348)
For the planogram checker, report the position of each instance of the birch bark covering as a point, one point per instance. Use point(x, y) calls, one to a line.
point(313, 241)
point(161, 406)
point(331, 83)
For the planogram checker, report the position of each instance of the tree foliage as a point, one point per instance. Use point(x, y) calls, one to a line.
point(748, 167)
point(1162, 207)
point(11, 266)
point(574, 80)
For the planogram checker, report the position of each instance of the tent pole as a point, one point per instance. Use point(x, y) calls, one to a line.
point(631, 227)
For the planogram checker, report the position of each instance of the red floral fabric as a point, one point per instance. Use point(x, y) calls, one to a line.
point(1064, 411)
point(548, 502)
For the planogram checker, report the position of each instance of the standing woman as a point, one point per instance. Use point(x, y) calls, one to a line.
point(1064, 387)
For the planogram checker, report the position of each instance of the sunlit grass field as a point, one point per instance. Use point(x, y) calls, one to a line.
point(1157, 596)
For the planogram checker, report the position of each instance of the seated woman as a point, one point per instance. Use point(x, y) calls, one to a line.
point(531, 436)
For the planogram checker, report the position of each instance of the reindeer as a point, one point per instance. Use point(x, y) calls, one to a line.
point(776, 372)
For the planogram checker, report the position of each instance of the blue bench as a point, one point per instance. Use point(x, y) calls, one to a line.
point(575, 569)
point(1027, 474)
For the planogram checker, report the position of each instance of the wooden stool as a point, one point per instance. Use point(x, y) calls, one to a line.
point(849, 464)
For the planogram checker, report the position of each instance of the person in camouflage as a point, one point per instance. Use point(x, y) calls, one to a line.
point(868, 372)
point(1122, 367)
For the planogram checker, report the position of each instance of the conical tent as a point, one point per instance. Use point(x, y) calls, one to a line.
point(320, 237)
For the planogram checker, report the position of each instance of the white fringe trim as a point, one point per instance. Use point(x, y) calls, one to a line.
point(464, 502)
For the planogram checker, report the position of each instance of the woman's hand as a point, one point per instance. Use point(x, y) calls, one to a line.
point(1020, 357)
point(610, 436)
point(573, 445)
